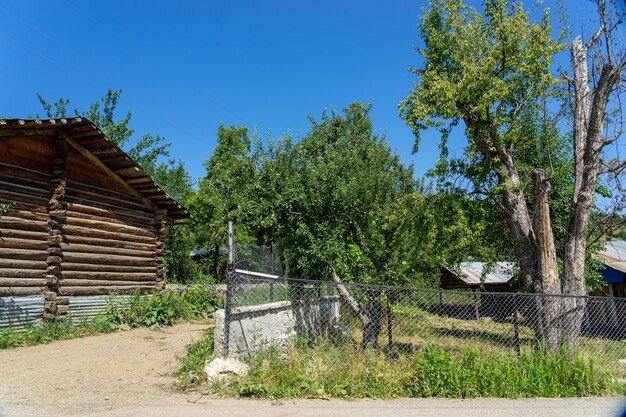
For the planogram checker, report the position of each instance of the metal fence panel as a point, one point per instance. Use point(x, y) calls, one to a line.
point(83, 308)
point(397, 319)
point(19, 313)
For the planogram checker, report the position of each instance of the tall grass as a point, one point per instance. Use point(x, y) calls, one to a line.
point(191, 372)
point(168, 308)
point(327, 370)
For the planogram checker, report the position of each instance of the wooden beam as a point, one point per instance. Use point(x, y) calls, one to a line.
point(97, 162)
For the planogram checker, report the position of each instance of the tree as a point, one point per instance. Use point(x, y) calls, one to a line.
point(491, 71)
point(598, 67)
point(223, 192)
point(326, 201)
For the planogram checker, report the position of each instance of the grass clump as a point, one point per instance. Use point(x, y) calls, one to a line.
point(326, 370)
point(168, 308)
point(55, 330)
point(191, 372)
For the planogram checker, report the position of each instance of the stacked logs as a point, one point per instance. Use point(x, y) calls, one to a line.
point(72, 229)
point(25, 168)
point(110, 238)
point(54, 304)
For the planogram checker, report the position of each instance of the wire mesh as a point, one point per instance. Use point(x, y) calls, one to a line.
point(257, 258)
point(398, 319)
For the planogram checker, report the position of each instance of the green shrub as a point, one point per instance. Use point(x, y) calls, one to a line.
point(194, 303)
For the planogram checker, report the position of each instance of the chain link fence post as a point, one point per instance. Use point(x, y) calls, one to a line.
point(230, 271)
point(516, 317)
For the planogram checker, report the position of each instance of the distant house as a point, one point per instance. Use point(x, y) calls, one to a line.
point(614, 258)
point(481, 276)
point(84, 221)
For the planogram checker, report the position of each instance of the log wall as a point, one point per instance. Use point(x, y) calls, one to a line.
point(72, 229)
point(26, 166)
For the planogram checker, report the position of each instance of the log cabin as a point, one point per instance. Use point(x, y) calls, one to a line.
point(82, 220)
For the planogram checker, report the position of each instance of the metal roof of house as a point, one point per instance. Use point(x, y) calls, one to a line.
point(614, 255)
point(87, 134)
point(498, 273)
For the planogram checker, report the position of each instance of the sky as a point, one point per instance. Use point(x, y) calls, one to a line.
point(186, 66)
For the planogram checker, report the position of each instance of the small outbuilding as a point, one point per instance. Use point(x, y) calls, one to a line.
point(83, 220)
point(496, 277)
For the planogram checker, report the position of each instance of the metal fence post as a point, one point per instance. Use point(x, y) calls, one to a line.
point(229, 285)
point(516, 325)
point(272, 272)
point(389, 321)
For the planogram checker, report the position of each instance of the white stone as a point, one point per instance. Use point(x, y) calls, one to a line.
point(220, 368)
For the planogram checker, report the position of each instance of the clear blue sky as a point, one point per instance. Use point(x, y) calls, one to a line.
point(186, 66)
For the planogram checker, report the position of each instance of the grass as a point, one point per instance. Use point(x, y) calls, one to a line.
point(434, 356)
point(191, 372)
point(345, 371)
point(171, 307)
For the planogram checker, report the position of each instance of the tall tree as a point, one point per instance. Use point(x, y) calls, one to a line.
point(598, 66)
point(491, 70)
point(223, 192)
point(326, 201)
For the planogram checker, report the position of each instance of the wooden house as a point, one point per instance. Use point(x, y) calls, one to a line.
point(83, 218)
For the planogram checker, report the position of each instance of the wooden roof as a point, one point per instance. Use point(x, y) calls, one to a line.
point(98, 148)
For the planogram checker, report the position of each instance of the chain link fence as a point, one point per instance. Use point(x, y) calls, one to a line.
point(394, 320)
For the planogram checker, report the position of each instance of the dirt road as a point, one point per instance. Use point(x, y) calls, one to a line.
point(128, 374)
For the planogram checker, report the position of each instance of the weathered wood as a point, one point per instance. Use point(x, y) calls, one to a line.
point(72, 282)
point(70, 247)
point(36, 208)
point(97, 258)
point(97, 162)
point(109, 219)
point(22, 273)
point(25, 254)
point(128, 201)
point(20, 291)
point(110, 276)
point(15, 186)
point(107, 226)
point(23, 234)
point(105, 206)
point(74, 266)
point(26, 264)
point(144, 218)
point(26, 214)
point(21, 197)
point(22, 224)
point(101, 191)
point(103, 234)
point(109, 243)
point(22, 282)
point(19, 171)
point(6, 242)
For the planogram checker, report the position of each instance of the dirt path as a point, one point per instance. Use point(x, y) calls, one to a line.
point(129, 374)
point(92, 374)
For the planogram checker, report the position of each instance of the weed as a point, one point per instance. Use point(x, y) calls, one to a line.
point(191, 372)
point(328, 370)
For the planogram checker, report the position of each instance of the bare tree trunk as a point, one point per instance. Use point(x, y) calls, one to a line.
point(366, 322)
point(589, 116)
point(549, 308)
